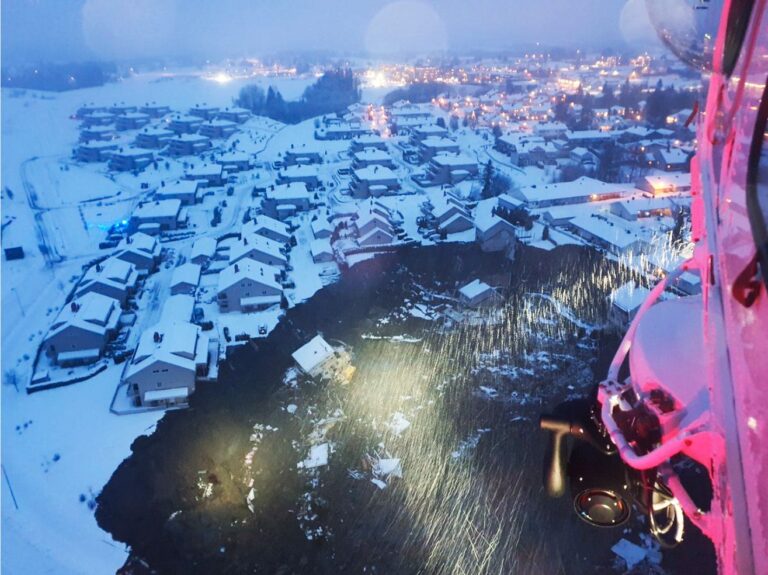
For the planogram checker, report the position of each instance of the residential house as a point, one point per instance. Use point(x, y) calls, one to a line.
point(114, 278)
point(248, 286)
point(141, 250)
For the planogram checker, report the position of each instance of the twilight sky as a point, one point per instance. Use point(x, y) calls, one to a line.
point(61, 30)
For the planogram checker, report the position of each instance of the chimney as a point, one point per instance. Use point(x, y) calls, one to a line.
point(156, 337)
point(74, 307)
point(237, 268)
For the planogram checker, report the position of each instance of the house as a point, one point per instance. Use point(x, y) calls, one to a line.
point(82, 329)
point(432, 146)
point(217, 129)
point(131, 121)
point(448, 169)
point(373, 181)
point(184, 124)
point(625, 301)
point(458, 222)
point(154, 110)
point(370, 221)
point(95, 151)
point(303, 156)
point(550, 130)
point(584, 158)
point(122, 108)
point(114, 278)
point(267, 227)
point(494, 233)
point(166, 364)
point(314, 357)
point(97, 134)
point(163, 215)
point(185, 144)
point(376, 237)
point(130, 159)
point(185, 279)
point(367, 142)
point(248, 286)
point(234, 161)
point(98, 119)
point(606, 232)
point(321, 251)
point(153, 138)
point(672, 159)
point(305, 174)
point(643, 207)
point(179, 307)
point(665, 183)
point(203, 251)
point(186, 191)
point(372, 157)
point(141, 250)
point(421, 133)
point(579, 191)
point(203, 111)
point(283, 201)
point(88, 109)
point(477, 293)
point(236, 115)
point(207, 175)
point(258, 248)
point(322, 228)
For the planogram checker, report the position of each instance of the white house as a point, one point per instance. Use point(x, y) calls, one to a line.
point(185, 279)
point(373, 181)
point(248, 286)
point(376, 237)
point(166, 364)
point(258, 248)
point(141, 250)
point(477, 293)
point(321, 251)
point(313, 357)
point(322, 228)
point(113, 278)
point(164, 215)
point(186, 191)
point(82, 329)
point(625, 301)
point(267, 227)
point(203, 251)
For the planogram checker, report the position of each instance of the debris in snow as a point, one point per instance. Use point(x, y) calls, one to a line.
point(631, 553)
point(469, 443)
point(489, 391)
point(379, 483)
point(291, 409)
point(387, 468)
point(398, 423)
point(249, 499)
point(318, 456)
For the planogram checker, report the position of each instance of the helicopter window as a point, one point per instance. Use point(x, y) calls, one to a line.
point(757, 186)
point(738, 22)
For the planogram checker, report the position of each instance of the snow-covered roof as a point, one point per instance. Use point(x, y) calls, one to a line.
point(140, 242)
point(664, 181)
point(178, 343)
point(612, 230)
point(372, 155)
point(474, 289)
point(375, 174)
point(178, 308)
point(583, 187)
point(263, 222)
point(205, 171)
point(289, 192)
point(93, 312)
point(251, 270)
point(299, 171)
point(322, 225)
point(312, 354)
point(203, 247)
point(321, 246)
point(450, 160)
point(187, 273)
point(256, 243)
point(182, 187)
point(158, 209)
point(438, 142)
point(111, 269)
point(629, 297)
